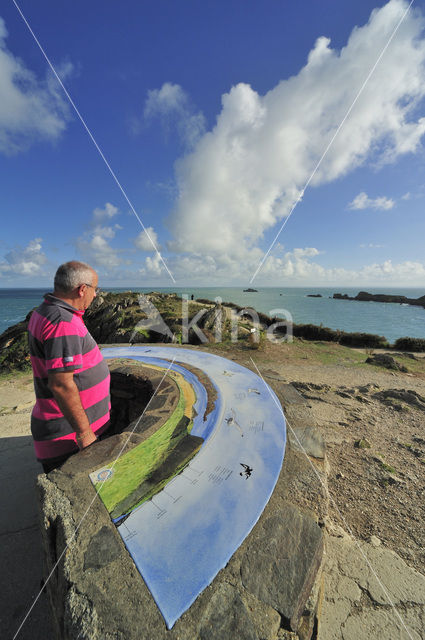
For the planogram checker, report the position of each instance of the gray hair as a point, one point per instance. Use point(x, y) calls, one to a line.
point(71, 274)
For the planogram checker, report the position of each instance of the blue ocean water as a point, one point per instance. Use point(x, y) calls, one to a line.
point(390, 320)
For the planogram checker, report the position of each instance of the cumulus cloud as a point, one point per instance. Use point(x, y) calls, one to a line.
point(108, 212)
point(25, 261)
point(362, 201)
point(153, 266)
point(30, 108)
point(94, 244)
point(172, 106)
point(407, 273)
point(145, 238)
point(298, 267)
point(245, 175)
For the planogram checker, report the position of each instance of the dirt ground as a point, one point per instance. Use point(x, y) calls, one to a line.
point(373, 422)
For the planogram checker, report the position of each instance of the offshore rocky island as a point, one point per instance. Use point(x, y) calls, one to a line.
point(364, 296)
point(351, 487)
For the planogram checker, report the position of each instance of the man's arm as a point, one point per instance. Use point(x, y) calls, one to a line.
point(66, 394)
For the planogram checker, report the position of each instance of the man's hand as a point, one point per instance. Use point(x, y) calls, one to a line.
point(85, 439)
point(66, 394)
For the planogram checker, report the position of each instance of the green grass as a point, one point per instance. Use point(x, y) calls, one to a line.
point(362, 444)
point(325, 352)
point(413, 366)
point(135, 466)
point(165, 481)
point(144, 332)
point(14, 376)
point(385, 466)
point(331, 353)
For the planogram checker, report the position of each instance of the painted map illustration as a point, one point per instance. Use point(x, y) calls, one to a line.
point(185, 498)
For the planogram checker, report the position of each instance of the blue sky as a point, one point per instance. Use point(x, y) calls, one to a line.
point(214, 117)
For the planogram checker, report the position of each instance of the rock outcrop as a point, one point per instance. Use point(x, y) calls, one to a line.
point(386, 361)
point(132, 318)
point(115, 318)
point(364, 296)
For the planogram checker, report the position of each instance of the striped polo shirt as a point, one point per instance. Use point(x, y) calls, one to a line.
point(59, 341)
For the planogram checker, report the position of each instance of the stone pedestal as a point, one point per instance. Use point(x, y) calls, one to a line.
point(270, 587)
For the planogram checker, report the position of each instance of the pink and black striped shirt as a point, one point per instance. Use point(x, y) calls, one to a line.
point(59, 341)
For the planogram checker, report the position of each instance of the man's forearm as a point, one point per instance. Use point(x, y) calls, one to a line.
point(69, 403)
point(68, 398)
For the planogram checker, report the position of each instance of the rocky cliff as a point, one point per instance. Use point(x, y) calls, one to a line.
point(129, 317)
point(364, 296)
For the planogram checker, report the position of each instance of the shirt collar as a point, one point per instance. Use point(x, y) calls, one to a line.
point(51, 299)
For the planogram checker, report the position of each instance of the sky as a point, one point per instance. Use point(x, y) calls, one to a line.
point(225, 143)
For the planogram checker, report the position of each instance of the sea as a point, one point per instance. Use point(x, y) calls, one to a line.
point(385, 319)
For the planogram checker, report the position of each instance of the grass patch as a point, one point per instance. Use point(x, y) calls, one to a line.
point(387, 467)
point(384, 465)
point(325, 353)
point(160, 485)
point(15, 376)
point(135, 466)
point(362, 444)
point(414, 366)
point(144, 332)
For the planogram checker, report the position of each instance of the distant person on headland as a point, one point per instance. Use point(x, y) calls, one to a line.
point(71, 378)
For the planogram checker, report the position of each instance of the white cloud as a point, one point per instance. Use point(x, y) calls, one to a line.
point(30, 109)
point(245, 174)
point(108, 212)
point(145, 238)
point(94, 245)
point(169, 98)
point(153, 265)
point(298, 267)
point(370, 245)
point(362, 201)
point(307, 252)
point(172, 106)
point(24, 262)
point(408, 272)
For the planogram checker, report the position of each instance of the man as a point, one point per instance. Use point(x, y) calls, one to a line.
point(71, 378)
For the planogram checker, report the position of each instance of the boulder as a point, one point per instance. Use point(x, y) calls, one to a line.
point(385, 360)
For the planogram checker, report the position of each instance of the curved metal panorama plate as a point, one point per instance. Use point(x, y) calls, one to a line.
point(181, 538)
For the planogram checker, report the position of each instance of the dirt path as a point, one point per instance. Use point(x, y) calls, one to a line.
point(20, 549)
